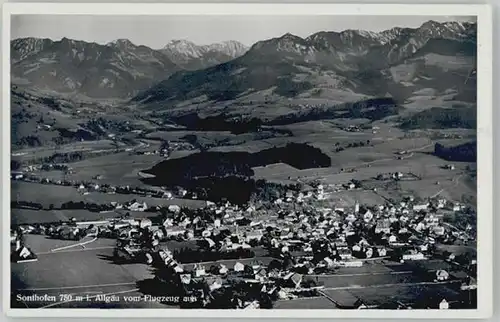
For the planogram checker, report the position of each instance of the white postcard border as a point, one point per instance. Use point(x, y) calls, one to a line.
point(484, 139)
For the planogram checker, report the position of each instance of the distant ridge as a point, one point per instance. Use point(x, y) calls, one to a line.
point(191, 56)
point(355, 63)
point(395, 62)
point(118, 68)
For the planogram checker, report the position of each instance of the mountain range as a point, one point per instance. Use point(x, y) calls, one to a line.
point(118, 69)
point(400, 62)
point(192, 57)
point(396, 62)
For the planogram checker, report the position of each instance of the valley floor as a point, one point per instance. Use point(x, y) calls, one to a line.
point(83, 269)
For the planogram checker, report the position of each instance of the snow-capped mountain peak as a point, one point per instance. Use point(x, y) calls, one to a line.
point(122, 42)
point(230, 47)
point(192, 56)
point(183, 47)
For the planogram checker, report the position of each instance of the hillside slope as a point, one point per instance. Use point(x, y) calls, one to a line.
point(397, 62)
point(119, 69)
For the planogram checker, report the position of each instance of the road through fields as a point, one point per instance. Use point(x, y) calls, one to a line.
point(82, 244)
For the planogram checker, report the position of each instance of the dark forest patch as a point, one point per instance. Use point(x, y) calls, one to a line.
point(226, 175)
point(442, 118)
point(466, 152)
point(372, 109)
point(210, 164)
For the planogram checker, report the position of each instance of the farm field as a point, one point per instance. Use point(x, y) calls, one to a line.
point(305, 303)
point(117, 169)
point(430, 265)
point(71, 270)
point(40, 152)
point(43, 245)
point(369, 266)
point(435, 180)
point(47, 194)
point(373, 283)
point(74, 271)
point(420, 164)
point(405, 293)
point(459, 249)
point(367, 279)
point(349, 198)
point(28, 216)
point(251, 147)
point(223, 137)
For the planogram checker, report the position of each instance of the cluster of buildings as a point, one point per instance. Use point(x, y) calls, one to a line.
point(256, 283)
point(304, 239)
point(169, 148)
point(301, 230)
point(42, 167)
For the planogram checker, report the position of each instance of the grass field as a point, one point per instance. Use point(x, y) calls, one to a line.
point(305, 303)
point(369, 267)
point(73, 271)
point(421, 164)
point(435, 179)
point(116, 169)
point(367, 279)
point(46, 195)
point(405, 294)
point(251, 146)
point(375, 283)
point(280, 170)
point(27, 216)
point(42, 245)
point(349, 198)
point(429, 265)
point(459, 249)
point(76, 266)
point(39, 152)
point(177, 135)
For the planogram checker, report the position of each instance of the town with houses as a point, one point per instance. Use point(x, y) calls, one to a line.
point(291, 168)
point(266, 253)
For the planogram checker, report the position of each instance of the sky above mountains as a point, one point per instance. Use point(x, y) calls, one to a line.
point(156, 31)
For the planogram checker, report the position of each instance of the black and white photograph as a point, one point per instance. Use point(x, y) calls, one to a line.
point(282, 162)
